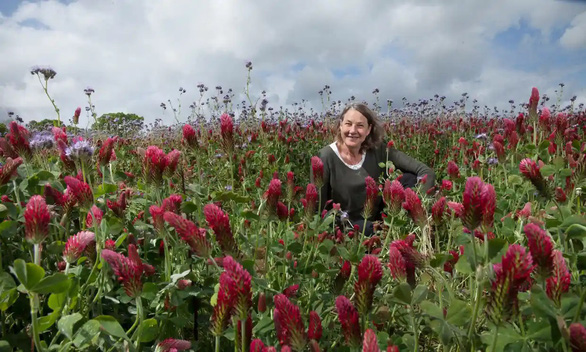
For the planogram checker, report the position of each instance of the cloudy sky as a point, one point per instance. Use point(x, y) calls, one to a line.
point(136, 54)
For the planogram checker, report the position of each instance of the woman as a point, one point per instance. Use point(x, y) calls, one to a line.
point(356, 154)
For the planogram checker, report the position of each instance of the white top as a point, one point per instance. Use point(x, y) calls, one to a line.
point(353, 167)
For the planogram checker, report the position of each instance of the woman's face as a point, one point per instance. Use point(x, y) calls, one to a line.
point(354, 128)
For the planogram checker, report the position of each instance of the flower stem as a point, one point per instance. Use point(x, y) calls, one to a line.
point(217, 343)
point(415, 333)
point(494, 339)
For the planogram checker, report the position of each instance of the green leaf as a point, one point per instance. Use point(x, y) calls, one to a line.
point(87, 333)
point(419, 294)
point(55, 283)
point(495, 246)
point(5, 346)
point(265, 325)
point(56, 300)
point(515, 180)
point(104, 189)
point(403, 293)
point(295, 247)
point(581, 261)
point(326, 246)
point(506, 335)
point(249, 214)
point(29, 274)
point(6, 282)
point(459, 313)
point(565, 172)
point(432, 309)
point(111, 326)
point(576, 231)
point(462, 266)
point(8, 228)
point(47, 321)
point(541, 304)
point(225, 196)
point(7, 298)
point(149, 329)
point(439, 259)
point(547, 170)
point(188, 207)
point(149, 291)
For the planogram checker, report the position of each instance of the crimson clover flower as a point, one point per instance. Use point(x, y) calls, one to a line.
point(36, 219)
point(453, 170)
point(310, 200)
point(393, 195)
point(397, 264)
point(76, 245)
point(348, 317)
point(559, 282)
point(371, 197)
point(19, 140)
point(533, 100)
point(219, 222)
point(227, 133)
point(531, 170)
point(541, 247)
point(105, 152)
point(224, 304)
point(288, 323)
point(128, 269)
point(154, 165)
point(272, 195)
point(95, 214)
point(9, 169)
point(411, 258)
point(190, 233)
point(317, 170)
point(81, 191)
point(171, 161)
point(314, 331)
point(59, 134)
point(438, 211)
point(510, 275)
point(412, 205)
point(67, 162)
point(472, 203)
point(370, 272)
point(370, 343)
point(577, 337)
point(242, 288)
point(118, 207)
point(189, 136)
point(171, 345)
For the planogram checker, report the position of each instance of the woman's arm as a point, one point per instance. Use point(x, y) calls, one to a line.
point(406, 163)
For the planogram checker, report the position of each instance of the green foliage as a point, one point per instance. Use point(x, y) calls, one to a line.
point(119, 124)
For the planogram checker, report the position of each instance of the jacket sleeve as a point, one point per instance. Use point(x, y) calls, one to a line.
point(406, 163)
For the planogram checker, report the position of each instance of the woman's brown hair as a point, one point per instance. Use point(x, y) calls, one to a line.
point(375, 137)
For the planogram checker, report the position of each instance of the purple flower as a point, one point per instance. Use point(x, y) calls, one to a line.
point(40, 141)
point(80, 150)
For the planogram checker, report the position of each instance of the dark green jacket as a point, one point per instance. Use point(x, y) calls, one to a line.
point(347, 186)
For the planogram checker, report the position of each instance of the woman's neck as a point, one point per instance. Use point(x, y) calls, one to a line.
point(354, 152)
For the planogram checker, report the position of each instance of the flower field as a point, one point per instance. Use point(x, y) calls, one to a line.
point(208, 235)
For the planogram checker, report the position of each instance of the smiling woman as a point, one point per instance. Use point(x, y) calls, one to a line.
point(356, 155)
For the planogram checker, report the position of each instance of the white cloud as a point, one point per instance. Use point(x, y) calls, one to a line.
point(136, 54)
point(575, 36)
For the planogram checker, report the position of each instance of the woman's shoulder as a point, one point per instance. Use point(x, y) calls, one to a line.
point(326, 152)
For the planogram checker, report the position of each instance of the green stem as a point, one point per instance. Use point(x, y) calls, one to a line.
point(415, 333)
point(217, 343)
point(139, 317)
point(494, 339)
point(243, 334)
point(577, 316)
point(475, 311)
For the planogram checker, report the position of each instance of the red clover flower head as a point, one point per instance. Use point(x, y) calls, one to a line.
point(219, 222)
point(76, 245)
point(317, 169)
point(288, 323)
point(559, 282)
point(190, 233)
point(36, 219)
point(348, 317)
point(9, 169)
point(412, 205)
